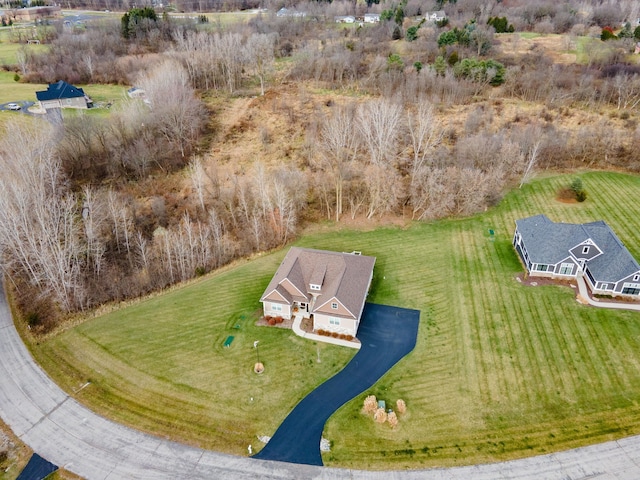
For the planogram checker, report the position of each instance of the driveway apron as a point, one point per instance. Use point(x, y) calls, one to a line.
point(387, 334)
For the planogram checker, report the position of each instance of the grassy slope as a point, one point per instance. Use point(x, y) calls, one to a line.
point(500, 370)
point(12, 91)
point(160, 364)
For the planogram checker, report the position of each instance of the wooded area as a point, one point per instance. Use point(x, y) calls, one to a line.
point(401, 119)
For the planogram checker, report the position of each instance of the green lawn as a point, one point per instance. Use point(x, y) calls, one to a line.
point(500, 370)
point(8, 51)
point(11, 91)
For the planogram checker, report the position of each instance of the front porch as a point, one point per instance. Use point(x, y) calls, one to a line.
point(301, 308)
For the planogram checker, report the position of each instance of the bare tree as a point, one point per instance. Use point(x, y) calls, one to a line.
point(379, 125)
point(530, 155)
point(260, 55)
point(338, 147)
point(198, 175)
point(177, 113)
point(93, 218)
point(426, 133)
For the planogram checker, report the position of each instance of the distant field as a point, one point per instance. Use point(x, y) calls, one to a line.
point(500, 370)
point(11, 91)
point(8, 51)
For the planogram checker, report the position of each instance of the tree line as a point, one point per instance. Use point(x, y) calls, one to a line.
point(92, 211)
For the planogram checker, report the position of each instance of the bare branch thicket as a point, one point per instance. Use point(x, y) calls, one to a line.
point(94, 221)
point(379, 124)
point(198, 176)
point(39, 231)
point(626, 88)
point(176, 111)
point(455, 191)
point(280, 194)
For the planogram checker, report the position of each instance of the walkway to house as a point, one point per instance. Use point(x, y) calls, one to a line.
point(297, 329)
point(386, 334)
point(584, 294)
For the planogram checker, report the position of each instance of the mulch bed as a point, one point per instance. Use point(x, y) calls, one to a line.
point(539, 281)
point(285, 323)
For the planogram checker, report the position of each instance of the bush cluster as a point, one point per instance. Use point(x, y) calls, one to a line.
point(379, 414)
point(341, 336)
point(578, 190)
point(273, 320)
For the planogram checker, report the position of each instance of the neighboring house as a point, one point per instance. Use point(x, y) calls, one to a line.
point(63, 95)
point(136, 92)
point(285, 12)
point(566, 250)
point(345, 19)
point(435, 16)
point(33, 13)
point(330, 287)
point(371, 18)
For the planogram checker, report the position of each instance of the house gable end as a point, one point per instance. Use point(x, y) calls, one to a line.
point(327, 309)
point(633, 278)
point(290, 287)
point(586, 250)
point(274, 296)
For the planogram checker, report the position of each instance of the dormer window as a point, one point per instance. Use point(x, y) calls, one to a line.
point(636, 278)
point(314, 287)
point(334, 305)
point(585, 250)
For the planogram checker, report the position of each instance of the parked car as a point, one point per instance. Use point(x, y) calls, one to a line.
point(13, 106)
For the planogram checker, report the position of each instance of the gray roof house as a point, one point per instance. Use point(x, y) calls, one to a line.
point(330, 287)
point(566, 250)
point(63, 95)
point(437, 16)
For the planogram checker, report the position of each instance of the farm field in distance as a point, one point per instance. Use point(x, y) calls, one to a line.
point(500, 370)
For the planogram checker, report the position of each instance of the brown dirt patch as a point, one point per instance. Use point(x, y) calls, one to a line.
point(531, 281)
point(540, 281)
point(566, 195)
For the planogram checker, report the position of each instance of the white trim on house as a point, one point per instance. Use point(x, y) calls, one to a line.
point(564, 266)
point(334, 300)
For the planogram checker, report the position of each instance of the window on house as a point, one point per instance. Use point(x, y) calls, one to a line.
point(542, 268)
point(315, 287)
point(334, 305)
point(566, 269)
point(636, 278)
point(334, 321)
point(585, 250)
point(276, 307)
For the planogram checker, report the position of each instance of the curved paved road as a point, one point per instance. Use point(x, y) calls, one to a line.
point(67, 434)
point(387, 334)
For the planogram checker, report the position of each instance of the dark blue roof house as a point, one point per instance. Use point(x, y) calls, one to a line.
point(566, 250)
point(63, 95)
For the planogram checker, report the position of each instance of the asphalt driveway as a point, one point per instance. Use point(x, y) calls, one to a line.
point(387, 334)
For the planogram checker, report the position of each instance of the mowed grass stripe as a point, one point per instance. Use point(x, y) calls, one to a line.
point(500, 370)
